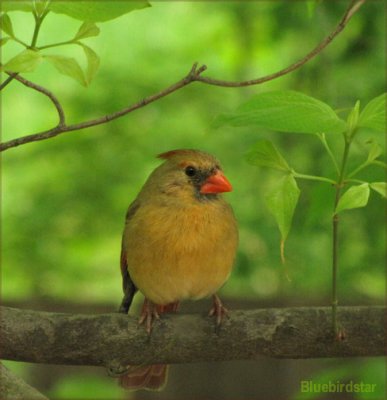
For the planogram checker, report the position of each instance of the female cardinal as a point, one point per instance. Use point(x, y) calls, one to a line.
point(179, 242)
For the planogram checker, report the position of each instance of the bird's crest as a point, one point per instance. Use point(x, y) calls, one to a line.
point(172, 153)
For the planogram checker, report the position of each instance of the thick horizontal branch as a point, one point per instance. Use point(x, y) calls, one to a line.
point(116, 339)
point(195, 75)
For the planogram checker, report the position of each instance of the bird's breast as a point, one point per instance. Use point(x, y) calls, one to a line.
point(174, 253)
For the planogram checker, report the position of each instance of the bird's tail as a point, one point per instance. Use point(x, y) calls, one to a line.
point(150, 377)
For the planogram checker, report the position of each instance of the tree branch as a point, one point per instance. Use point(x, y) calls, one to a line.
point(114, 340)
point(351, 10)
point(8, 80)
point(194, 75)
point(13, 387)
point(190, 77)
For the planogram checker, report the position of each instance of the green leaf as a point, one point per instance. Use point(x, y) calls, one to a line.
point(282, 202)
point(87, 29)
point(380, 187)
point(92, 62)
point(96, 11)
point(4, 40)
point(285, 111)
point(374, 114)
point(374, 152)
point(67, 66)
point(26, 61)
point(265, 154)
point(19, 5)
point(353, 119)
point(6, 25)
point(354, 197)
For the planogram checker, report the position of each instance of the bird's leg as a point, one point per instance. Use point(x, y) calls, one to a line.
point(125, 304)
point(129, 291)
point(149, 313)
point(218, 310)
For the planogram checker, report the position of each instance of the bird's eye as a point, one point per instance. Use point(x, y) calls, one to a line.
point(190, 171)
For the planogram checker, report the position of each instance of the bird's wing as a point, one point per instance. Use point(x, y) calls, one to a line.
point(128, 286)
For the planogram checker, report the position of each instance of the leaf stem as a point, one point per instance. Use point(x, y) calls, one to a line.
point(48, 46)
point(38, 23)
point(313, 178)
point(19, 41)
point(335, 235)
point(355, 181)
point(329, 151)
point(358, 169)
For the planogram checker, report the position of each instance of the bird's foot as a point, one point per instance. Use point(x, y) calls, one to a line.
point(219, 311)
point(340, 335)
point(149, 313)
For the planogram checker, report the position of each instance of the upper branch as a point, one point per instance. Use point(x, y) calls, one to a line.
point(190, 77)
point(114, 339)
point(194, 75)
point(351, 10)
point(10, 78)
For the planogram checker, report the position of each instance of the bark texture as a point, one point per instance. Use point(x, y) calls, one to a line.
point(114, 340)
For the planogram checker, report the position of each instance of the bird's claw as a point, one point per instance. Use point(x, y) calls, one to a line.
point(148, 314)
point(219, 311)
point(340, 335)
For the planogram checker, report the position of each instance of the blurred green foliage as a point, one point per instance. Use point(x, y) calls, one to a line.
point(64, 199)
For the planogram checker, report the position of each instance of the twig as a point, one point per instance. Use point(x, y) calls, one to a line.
point(353, 8)
point(8, 80)
point(193, 75)
point(47, 93)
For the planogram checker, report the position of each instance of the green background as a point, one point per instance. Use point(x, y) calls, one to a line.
point(64, 199)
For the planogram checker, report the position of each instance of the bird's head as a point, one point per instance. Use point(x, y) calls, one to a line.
point(190, 172)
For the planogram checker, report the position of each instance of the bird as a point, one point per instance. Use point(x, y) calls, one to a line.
point(179, 243)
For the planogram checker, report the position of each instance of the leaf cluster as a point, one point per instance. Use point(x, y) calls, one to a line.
point(33, 55)
point(294, 112)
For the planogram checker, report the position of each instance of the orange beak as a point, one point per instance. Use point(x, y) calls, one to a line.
point(216, 183)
